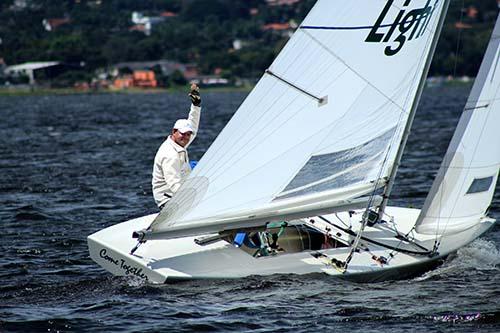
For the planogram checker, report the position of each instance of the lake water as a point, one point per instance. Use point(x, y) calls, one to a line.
point(72, 165)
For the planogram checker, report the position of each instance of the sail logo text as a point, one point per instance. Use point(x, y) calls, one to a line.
point(410, 25)
point(122, 264)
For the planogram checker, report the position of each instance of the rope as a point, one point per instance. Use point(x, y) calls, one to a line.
point(390, 247)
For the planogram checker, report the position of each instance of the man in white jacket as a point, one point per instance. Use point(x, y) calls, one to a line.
point(171, 165)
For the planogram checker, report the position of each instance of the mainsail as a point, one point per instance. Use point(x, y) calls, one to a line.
point(322, 126)
point(465, 183)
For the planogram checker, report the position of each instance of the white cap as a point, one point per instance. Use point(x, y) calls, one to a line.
point(183, 126)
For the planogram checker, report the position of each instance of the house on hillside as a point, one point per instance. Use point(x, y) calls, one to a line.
point(139, 79)
point(19, 5)
point(283, 29)
point(145, 24)
point(167, 68)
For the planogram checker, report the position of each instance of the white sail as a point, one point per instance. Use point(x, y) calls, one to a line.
point(324, 123)
point(465, 184)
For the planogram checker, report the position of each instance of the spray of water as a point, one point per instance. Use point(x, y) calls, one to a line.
point(479, 255)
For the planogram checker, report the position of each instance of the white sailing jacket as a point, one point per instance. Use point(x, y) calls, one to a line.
point(171, 165)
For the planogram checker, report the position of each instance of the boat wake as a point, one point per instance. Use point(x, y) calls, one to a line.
point(479, 255)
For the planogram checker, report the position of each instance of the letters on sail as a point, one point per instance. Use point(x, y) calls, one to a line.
point(410, 25)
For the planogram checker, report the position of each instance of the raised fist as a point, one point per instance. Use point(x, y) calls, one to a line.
point(194, 94)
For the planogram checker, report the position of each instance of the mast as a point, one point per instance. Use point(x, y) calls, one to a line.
point(411, 116)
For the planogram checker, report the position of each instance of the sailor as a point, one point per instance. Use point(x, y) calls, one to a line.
point(171, 164)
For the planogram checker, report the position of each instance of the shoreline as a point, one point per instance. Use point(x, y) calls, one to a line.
point(40, 91)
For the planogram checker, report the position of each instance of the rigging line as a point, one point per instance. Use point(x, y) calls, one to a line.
point(216, 166)
point(294, 42)
point(216, 176)
point(222, 145)
point(387, 246)
point(410, 241)
point(458, 40)
point(293, 115)
point(341, 221)
point(386, 102)
point(321, 142)
point(353, 70)
point(359, 236)
point(382, 168)
point(294, 61)
point(365, 217)
point(328, 50)
point(373, 112)
point(245, 116)
point(430, 46)
point(367, 118)
point(251, 139)
point(285, 121)
point(291, 64)
point(291, 148)
point(243, 176)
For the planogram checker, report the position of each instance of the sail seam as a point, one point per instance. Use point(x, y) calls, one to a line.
point(354, 71)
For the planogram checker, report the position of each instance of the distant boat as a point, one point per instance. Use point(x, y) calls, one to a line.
point(298, 181)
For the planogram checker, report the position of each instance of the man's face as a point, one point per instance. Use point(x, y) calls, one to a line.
point(182, 139)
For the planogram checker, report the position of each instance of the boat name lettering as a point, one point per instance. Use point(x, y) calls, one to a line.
point(122, 264)
point(411, 24)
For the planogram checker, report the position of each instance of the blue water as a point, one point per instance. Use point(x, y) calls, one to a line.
point(72, 165)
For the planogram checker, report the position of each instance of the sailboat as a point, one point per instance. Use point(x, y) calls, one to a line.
point(298, 181)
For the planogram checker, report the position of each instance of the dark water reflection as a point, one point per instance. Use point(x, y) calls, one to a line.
point(72, 165)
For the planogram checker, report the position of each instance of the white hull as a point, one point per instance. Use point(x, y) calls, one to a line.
point(181, 258)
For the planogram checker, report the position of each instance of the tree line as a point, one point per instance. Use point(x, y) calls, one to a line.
point(202, 32)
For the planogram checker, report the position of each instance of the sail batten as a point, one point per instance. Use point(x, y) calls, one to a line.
point(280, 147)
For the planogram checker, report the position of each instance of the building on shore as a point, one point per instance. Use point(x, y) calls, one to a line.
point(33, 70)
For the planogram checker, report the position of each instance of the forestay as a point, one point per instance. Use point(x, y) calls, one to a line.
point(464, 186)
point(323, 125)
